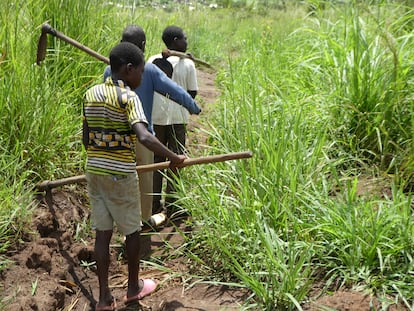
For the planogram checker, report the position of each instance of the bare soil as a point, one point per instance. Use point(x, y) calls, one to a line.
point(51, 269)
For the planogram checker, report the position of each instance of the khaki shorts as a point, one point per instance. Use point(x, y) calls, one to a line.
point(114, 198)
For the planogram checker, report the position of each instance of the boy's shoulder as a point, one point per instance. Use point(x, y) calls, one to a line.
point(93, 88)
point(104, 87)
point(155, 56)
point(186, 61)
point(151, 71)
point(150, 68)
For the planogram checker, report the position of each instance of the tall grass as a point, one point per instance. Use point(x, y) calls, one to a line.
point(320, 100)
point(362, 56)
point(318, 108)
point(40, 105)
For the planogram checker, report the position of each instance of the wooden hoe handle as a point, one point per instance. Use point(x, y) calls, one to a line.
point(48, 184)
point(46, 28)
point(167, 53)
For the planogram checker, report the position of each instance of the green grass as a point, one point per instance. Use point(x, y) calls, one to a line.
point(323, 101)
point(316, 120)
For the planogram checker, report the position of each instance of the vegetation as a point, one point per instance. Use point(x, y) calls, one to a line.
point(322, 98)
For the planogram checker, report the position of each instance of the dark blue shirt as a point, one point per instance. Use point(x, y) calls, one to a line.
point(155, 80)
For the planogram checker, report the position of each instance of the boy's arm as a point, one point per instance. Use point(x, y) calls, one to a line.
point(107, 72)
point(85, 128)
point(165, 86)
point(152, 143)
point(85, 133)
point(191, 78)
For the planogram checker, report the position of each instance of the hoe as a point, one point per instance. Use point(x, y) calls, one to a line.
point(47, 29)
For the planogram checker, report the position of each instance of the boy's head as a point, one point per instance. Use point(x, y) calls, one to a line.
point(127, 63)
point(136, 35)
point(175, 38)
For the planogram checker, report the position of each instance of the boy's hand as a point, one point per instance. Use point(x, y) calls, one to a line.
point(198, 111)
point(174, 161)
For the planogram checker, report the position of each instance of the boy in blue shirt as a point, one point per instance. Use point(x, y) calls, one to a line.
point(153, 80)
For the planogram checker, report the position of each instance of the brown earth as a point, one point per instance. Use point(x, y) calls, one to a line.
point(52, 269)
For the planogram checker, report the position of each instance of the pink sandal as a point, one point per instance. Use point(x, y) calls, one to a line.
point(148, 287)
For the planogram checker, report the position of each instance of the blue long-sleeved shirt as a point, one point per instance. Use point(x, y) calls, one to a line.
point(155, 80)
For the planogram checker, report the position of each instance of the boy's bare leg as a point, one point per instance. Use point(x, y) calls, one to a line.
point(102, 241)
point(132, 244)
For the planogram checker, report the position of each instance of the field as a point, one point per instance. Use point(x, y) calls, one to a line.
point(322, 212)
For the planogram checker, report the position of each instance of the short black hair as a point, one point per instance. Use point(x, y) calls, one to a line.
point(125, 53)
point(170, 33)
point(134, 34)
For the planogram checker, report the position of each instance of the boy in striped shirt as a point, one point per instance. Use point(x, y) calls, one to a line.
point(113, 119)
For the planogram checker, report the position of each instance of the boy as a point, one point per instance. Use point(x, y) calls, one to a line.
point(170, 119)
point(113, 119)
point(153, 80)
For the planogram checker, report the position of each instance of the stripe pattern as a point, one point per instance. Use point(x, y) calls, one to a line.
point(110, 110)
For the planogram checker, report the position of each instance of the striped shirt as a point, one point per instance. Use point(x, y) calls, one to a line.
point(110, 110)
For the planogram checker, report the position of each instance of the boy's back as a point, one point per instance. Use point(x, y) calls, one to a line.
point(166, 111)
point(184, 73)
point(111, 108)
